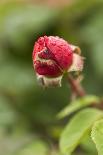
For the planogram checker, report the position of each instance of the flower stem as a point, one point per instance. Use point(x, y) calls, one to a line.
point(76, 86)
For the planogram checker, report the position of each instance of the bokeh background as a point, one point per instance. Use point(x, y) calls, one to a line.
point(28, 124)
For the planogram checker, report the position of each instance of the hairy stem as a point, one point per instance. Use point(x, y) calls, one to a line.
point(76, 86)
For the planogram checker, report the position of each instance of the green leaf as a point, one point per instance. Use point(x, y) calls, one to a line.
point(97, 136)
point(37, 147)
point(78, 104)
point(87, 145)
point(77, 128)
point(7, 114)
point(10, 144)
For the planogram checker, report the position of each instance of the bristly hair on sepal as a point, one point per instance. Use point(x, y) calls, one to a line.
point(49, 82)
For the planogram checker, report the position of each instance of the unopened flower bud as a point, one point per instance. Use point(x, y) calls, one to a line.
point(52, 57)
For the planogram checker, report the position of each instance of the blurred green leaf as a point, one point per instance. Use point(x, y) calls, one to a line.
point(16, 77)
point(77, 128)
point(21, 23)
point(54, 152)
point(7, 113)
point(97, 136)
point(92, 33)
point(38, 147)
point(78, 104)
point(10, 144)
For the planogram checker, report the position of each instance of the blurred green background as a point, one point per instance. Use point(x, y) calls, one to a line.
point(28, 124)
